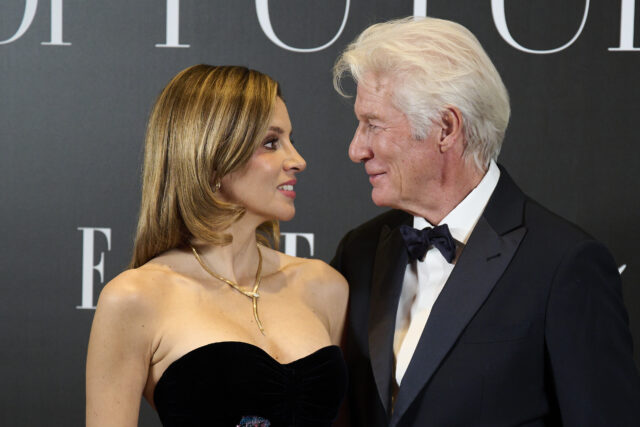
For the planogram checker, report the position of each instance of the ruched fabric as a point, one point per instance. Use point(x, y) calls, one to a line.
point(239, 384)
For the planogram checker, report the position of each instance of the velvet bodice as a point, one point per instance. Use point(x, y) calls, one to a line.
point(239, 384)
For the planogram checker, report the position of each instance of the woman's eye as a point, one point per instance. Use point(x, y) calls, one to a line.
point(271, 144)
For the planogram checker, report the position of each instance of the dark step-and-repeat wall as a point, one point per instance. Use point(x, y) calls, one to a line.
point(78, 78)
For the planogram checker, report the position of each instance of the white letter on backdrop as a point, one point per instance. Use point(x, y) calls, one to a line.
point(56, 25)
point(87, 263)
point(262, 9)
point(420, 8)
point(497, 9)
point(627, 21)
point(291, 242)
point(27, 18)
point(173, 25)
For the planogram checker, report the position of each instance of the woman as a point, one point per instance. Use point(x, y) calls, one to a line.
point(211, 325)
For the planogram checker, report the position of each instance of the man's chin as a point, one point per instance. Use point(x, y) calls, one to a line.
point(378, 198)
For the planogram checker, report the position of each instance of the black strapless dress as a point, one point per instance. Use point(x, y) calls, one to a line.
point(231, 384)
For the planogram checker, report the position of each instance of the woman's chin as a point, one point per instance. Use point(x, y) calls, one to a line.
point(287, 216)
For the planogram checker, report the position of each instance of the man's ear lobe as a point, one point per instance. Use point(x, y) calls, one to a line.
point(451, 128)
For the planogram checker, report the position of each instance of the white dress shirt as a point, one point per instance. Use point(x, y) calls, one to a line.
point(424, 280)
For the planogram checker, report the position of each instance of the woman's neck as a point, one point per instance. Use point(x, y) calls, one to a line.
point(236, 261)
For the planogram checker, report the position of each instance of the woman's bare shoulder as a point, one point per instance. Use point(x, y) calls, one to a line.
point(322, 287)
point(315, 273)
point(138, 290)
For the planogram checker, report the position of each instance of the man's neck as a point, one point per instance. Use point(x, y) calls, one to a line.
point(452, 189)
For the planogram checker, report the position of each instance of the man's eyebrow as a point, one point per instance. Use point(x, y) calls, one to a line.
point(367, 116)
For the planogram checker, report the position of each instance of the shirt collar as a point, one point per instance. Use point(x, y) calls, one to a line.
point(463, 218)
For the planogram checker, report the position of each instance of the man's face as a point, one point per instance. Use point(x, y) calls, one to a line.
point(401, 168)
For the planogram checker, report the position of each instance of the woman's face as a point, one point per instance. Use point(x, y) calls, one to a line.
point(265, 186)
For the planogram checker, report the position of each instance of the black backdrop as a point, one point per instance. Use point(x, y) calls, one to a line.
point(78, 78)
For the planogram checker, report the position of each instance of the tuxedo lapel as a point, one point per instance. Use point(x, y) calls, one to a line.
point(483, 261)
point(480, 266)
point(388, 272)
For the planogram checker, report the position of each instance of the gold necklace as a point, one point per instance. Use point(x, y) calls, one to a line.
point(254, 295)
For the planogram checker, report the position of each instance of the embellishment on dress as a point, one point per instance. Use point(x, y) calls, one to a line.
point(252, 421)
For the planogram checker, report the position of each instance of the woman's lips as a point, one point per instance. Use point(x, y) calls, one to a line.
point(287, 189)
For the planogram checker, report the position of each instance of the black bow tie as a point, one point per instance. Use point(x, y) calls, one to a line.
point(418, 241)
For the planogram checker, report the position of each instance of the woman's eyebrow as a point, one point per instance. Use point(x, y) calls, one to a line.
point(276, 129)
point(279, 130)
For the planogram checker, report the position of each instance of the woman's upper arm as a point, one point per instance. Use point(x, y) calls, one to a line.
point(336, 299)
point(119, 353)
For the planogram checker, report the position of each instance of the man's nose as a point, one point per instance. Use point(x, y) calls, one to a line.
point(359, 150)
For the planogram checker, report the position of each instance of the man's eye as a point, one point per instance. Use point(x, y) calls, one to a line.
point(372, 127)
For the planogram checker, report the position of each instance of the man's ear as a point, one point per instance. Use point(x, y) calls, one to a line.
point(450, 128)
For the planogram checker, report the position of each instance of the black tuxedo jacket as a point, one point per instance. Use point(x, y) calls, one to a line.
point(530, 329)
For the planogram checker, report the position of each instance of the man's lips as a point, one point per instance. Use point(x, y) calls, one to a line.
point(375, 177)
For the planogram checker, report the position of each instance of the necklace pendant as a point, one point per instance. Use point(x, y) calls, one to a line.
point(254, 295)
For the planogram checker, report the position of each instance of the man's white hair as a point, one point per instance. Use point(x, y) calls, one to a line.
point(434, 64)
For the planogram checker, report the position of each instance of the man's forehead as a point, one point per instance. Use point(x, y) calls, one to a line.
point(373, 98)
point(379, 84)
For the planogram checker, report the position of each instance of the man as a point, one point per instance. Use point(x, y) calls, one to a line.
point(507, 315)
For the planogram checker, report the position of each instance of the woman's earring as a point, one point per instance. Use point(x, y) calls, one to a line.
point(217, 187)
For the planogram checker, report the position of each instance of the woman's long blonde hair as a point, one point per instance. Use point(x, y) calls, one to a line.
point(205, 124)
